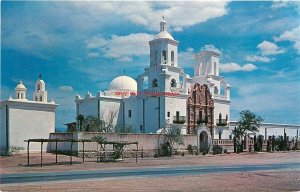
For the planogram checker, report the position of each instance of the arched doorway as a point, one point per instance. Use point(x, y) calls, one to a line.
point(203, 141)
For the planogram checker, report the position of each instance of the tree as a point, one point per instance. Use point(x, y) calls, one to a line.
point(104, 123)
point(249, 122)
point(108, 120)
point(92, 124)
point(173, 135)
point(124, 129)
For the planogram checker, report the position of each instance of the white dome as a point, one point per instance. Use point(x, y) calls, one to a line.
point(164, 35)
point(123, 83)
point(40, 81)
point(20, 86)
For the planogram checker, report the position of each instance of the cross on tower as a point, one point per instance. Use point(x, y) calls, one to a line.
point(40, 76)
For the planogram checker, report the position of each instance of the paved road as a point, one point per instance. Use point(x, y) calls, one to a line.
point(137, 172)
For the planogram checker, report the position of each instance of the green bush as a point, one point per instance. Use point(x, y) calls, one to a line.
point(166, 149)
point(190, 149)
point(217, 149)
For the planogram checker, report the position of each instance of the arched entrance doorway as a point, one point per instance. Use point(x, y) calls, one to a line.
point(204, 139)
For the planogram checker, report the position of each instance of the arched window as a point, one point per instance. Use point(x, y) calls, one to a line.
point(41, 98)
point(38, 87)
point(222, 89)
point(172, 58)
point(21, 95)
point(154, 83)
point(216, 90)
point(173, 83)
point(215, 68)
point(164, 57)
point(145, 82)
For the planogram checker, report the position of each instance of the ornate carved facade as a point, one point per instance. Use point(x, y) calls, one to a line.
point(200, 108)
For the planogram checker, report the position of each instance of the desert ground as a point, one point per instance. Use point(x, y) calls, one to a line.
point(266, 180)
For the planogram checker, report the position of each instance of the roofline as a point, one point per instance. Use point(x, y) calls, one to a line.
point(272, 124)
point(203, 53)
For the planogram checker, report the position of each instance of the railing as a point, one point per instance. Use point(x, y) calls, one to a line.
point(221, 122)
point(179, 119)
point(229, 142)
point(178, 90)
point(217, 96)
point(222, 142)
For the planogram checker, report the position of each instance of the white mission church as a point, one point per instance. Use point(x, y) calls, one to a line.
point(160, 96)
point(164, 93)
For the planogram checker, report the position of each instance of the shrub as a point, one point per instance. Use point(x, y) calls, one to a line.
point(14, 150)
point(196, 152)
point(225, 150)
point(166, 149)
point(155, 155)
point(204, 153)
point(182, 154)
point(190, 149)
point(217, 149)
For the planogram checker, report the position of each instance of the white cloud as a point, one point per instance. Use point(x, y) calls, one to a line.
point(211, 47)
point(148, 13)
point(233, 67)
point(186, 58)
point(65, 88)
point(283, 4)
point(279, 4)
point(93, 54)
point(269, 48)
point(254, 58)
point(292, 36)
point(122, 48)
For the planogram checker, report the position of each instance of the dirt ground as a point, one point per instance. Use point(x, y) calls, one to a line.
point(287, 180)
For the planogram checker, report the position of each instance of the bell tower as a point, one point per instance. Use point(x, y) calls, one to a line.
point(40, 93)
point(163, 48)
point(20, 91)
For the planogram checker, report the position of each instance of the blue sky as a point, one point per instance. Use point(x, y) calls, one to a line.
point(82, 46)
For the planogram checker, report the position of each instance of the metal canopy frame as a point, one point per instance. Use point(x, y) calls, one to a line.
point(42, 141)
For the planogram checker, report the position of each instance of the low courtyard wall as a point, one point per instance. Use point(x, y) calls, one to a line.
point(146, 142)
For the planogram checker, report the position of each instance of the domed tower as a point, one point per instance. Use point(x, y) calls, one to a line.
point(163, 48)
point(20, 91)
point(40, 93)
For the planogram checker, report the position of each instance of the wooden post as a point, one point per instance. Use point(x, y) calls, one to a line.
point(71, 152)
point(28, 152)
point(56, 152)
point(42, 154)
point(136, 154)
point(83, 151)
point(98, 154)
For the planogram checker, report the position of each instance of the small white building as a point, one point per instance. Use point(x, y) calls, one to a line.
point(161, 93)
point(23, 119)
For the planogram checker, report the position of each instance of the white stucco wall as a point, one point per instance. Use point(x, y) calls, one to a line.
point(27, 120)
